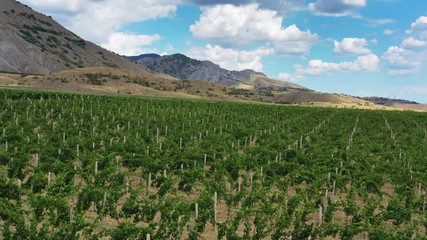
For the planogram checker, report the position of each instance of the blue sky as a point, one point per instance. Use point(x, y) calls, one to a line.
point(356, 47)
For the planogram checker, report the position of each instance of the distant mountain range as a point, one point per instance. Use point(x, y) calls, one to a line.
point(185, 68)
point(388, 101)
point(31, 42)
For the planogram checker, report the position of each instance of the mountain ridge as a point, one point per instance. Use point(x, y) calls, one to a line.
point(144, 55)
point(389, 101)
point(183, 67)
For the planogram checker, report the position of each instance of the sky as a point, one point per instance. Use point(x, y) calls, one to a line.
point(356, 47)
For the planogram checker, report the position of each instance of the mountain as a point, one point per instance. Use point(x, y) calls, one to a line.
point(185, 68)
point(31, 42)
point(388, 101)
point(263, 83)
point(142, 56)
point(397, 103)
point(316, 97)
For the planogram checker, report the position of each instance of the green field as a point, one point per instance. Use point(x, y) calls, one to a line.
point(90, 167)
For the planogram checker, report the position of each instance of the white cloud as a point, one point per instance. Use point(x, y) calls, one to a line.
point(419, 28)
point(96, 20)
point(285, 76)
point(101, 20)
point(337, 8)
point(413, 43)
point(230, 58)
point(242, 26)
point(420, 23)
point(293, 41)
point(398, 57)
point(56, 6)
point(401, 61)
point(356, 3)
point(289, 77)
point(130, 44)
point(409, 57)
point(388, 32)
point(379, 22)
point(367, 63)
point(401, 72)
point(351, 46)
point(284, 7)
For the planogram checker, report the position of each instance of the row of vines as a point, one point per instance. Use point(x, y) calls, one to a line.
point(106, 167)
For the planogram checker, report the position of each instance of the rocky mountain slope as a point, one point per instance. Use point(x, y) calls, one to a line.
point(397, 103)
point(142, 56)
point(31, 42)
point(388, 101)
point(183, 67)
point(262, 83)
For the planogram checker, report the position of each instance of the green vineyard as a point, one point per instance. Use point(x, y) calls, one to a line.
point(109, 167)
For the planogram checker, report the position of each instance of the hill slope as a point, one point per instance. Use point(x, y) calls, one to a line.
point(316, 97)
point(397, 103)
point(31, 42)
point(129, 82)
point(259, 82)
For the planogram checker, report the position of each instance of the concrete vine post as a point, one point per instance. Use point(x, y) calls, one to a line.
point(149, 183)
point(215, 206)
